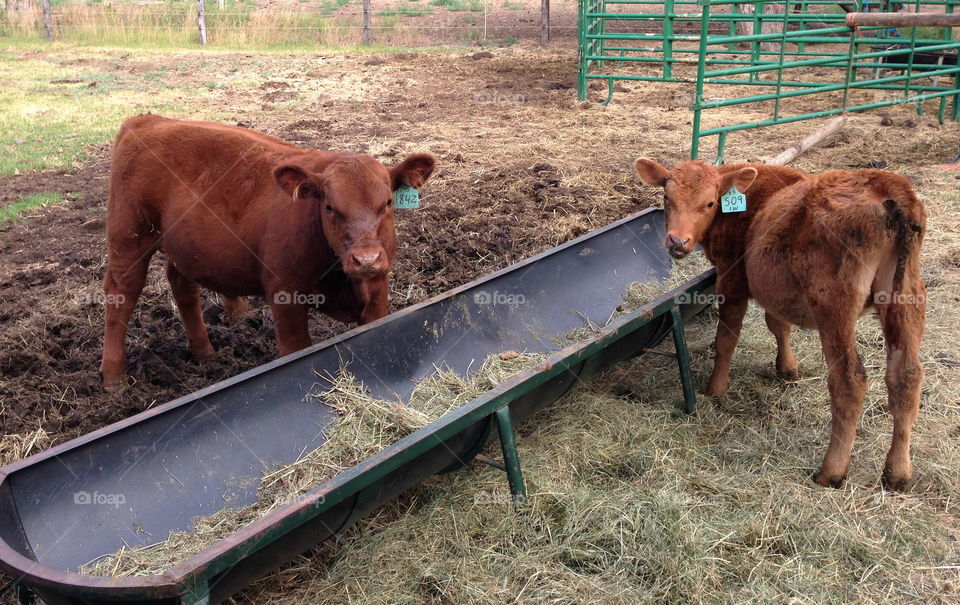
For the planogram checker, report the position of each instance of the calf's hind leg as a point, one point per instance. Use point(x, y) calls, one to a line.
point(847, 381)
point(122, 284)
point(786, 361)
point(187, 294)
point(902, 328)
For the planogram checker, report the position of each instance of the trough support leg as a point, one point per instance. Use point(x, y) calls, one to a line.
point(683, 361)
point(511, 459)
point(200, 595)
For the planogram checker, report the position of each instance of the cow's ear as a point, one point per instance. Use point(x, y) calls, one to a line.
point(297, 183)
point(651, 172)
point(413, 171)
point(741, 179)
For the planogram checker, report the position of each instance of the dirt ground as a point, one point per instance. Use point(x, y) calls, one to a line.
point(522, 166)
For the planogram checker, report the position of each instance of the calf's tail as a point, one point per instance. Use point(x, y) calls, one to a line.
point(906, 218)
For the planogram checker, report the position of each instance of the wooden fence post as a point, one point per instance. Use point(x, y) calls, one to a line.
point(366, 22)
point(544, 22)
point(202, 21)
point(47, 20)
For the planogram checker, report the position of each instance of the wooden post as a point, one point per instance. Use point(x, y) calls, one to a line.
point(202, 21)
point(769, 26)
point(745, 28)
point(904, 19)
point(544, 22)
point(47, 20)
point(221, 4)
point(818, 137)
point(366, 22)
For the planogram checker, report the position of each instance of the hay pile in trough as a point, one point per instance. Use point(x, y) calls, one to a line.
point(640, 293)
point(681, 271)
point(366, 426)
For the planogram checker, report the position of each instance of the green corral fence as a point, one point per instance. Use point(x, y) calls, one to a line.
point(902, 52)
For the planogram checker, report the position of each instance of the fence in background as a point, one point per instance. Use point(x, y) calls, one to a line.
point(813, 47)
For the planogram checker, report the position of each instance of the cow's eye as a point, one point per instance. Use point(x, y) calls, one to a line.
point(390, 201)
point(710, 205)
point(328, 208)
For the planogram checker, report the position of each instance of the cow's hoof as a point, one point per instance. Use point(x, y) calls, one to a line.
point(894, 483)
point(115, 384)
point(716, 390)
point(791, 375)
point(825, 480)
point(203, 354)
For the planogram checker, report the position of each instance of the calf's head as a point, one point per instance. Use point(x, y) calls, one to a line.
point(691, 198)
point(354, 198)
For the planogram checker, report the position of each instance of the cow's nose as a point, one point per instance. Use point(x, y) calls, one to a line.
point(367, 259)
point(676, 242)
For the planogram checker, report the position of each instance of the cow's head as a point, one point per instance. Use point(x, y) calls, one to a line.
point(691, 198)
point(354, 198)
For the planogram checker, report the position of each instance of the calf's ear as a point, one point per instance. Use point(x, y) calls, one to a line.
point(741, 179)
point(651, 172)
point(412, 171)
point(297, 183)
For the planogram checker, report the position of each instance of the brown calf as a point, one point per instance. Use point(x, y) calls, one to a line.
point(815, 251)
point(243, 213)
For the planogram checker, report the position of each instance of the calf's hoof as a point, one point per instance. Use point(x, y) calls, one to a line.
point(716, 390)
point(202, 354)
point(894, 482)
point(829, 480)
point(113, 383)
point(789, 375)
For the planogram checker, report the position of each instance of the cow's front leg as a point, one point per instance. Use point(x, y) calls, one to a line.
point(847, 382)
point(372, 295)
point(290, 324)
point(728, 333)
point(786, 360)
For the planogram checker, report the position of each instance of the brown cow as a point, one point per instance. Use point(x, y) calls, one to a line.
point(815, 251)
point(243, 213)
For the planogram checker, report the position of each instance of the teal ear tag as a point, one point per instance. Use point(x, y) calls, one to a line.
point(733, 201)
point(406, 198)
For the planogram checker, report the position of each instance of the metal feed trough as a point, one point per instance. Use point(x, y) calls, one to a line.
point(134, 482)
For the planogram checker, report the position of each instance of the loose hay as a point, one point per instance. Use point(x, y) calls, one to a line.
point(366, 426)
point(17, 447)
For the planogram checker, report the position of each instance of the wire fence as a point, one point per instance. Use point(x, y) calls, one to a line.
point(339, 24)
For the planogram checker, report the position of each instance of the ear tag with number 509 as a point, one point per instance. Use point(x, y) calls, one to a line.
point(406, 198)
point(733, 201)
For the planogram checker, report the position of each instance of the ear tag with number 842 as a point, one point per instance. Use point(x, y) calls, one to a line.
point(733, 201)
point(406, 198)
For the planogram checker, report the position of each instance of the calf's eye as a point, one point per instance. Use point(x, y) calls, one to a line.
point(710, 205)
point(328, 208)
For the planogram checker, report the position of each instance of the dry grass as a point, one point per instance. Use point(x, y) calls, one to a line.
point(19, 446)
point(365, 427)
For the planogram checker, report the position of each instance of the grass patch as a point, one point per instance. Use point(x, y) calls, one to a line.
point(472, 6)
point(11, 212)
point(405, 9)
